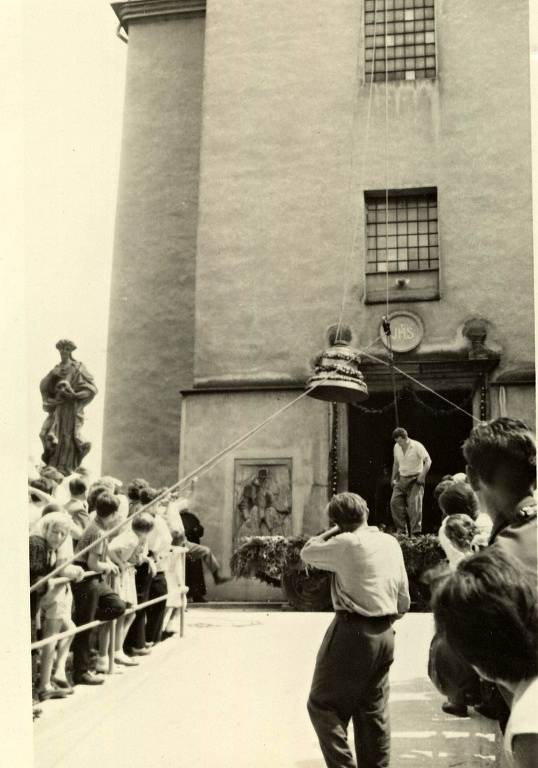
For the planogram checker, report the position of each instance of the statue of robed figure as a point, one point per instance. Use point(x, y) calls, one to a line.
point(65, 390)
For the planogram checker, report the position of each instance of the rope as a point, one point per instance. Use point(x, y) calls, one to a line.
point(420, 383)
point(386, 168)
point(355, 227)
point(198, 472)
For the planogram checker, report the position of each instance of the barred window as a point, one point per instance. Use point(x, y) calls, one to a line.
point(409, 44)
point(402, 237)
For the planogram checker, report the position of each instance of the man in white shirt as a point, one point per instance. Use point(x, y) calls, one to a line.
point(369, 590)
point(410, 467)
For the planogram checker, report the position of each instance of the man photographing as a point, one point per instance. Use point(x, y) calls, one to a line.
point(410, 467)
point(369, 590)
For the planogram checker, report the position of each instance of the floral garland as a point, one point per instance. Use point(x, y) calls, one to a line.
point(268, 558)
point(408, 392)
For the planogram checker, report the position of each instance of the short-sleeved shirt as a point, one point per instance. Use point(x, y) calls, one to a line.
point(91, 534)
point(369, 572)
point(127, 547)
point(412, 461)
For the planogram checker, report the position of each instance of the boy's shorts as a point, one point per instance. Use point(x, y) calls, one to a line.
point(58, 605)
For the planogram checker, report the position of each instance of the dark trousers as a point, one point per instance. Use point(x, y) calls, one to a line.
point(93, 599)
point(155, 613)
point(406, 505)
point(136, 636)
point(351, 683)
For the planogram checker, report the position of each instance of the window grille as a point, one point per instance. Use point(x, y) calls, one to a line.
point(404, 236)
point(401, 35)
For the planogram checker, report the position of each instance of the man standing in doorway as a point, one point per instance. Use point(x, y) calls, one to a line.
point(411, 465)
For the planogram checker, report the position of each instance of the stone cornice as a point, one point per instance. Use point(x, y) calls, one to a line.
point(137, 10)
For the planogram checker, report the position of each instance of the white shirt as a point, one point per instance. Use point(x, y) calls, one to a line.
point(412, 461)
point(524, 712)
point(369, 572)
point(159, 541)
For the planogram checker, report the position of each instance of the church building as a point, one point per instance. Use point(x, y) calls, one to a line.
point(289, 166)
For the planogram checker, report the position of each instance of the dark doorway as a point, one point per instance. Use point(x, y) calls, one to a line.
point(427, 418)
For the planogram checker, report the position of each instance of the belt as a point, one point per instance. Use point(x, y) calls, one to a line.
point(372, 621)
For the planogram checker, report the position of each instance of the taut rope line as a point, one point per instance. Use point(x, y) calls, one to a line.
point(198, 472)
point(354, 207)
point(420, 383)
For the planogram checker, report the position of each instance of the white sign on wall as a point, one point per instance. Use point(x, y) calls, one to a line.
point(407, 331)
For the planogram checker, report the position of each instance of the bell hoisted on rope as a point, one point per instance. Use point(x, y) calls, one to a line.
point(336, 375)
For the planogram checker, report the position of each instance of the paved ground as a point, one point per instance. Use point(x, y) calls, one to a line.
point(232, 694)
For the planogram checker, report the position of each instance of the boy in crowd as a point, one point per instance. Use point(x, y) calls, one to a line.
point(501, 466)
point(77, 506)
point(93, 597)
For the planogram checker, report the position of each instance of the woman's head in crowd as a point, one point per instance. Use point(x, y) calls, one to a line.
point(134, 488)
point(142, 525)
point(78, 487)
point(445, 483)
point(458, 499)
point(348, 511)
point(52, 474)
point(49, 509)
point(112, 484)
point(501, 457)
point(95, 491)
point(148, 494)
point(489, 615)
point(41, 484)
point(460, 530)
point(106, 507)
point(55, 528)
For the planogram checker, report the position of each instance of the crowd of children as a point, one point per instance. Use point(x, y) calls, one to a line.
point(102, 577)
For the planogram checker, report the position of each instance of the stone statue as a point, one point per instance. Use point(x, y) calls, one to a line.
point(65, 390)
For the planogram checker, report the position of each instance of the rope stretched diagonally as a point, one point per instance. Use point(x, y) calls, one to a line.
point(198, 472)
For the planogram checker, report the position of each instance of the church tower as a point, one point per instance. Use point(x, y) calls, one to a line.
point(151, 331)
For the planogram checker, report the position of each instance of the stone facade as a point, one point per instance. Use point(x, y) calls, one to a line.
point(245, 161)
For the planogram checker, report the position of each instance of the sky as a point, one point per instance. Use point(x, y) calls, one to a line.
point(74, 73)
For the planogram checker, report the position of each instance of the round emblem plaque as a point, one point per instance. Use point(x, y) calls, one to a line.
point(407, 331)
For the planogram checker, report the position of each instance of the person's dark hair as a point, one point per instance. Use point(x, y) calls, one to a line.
point(399, 432)
point(142, 523)
point(77, 487)
point(458, 499)
point(51, 473)
point(148, 494)
point(134, 488)
point(440, 488)
point(53, 507)
point(460, 530)
point(488, 613)
point(95, 492)
point(42, 484)
point(347, 510)
point(503, 450)
point(106, 504)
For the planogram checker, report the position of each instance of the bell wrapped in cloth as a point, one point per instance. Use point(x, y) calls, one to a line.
point(336, 375)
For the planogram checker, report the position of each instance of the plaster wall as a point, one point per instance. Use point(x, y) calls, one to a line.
point(284, 165)
point(520, 403)
point(211, 422)
point(151, 336)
